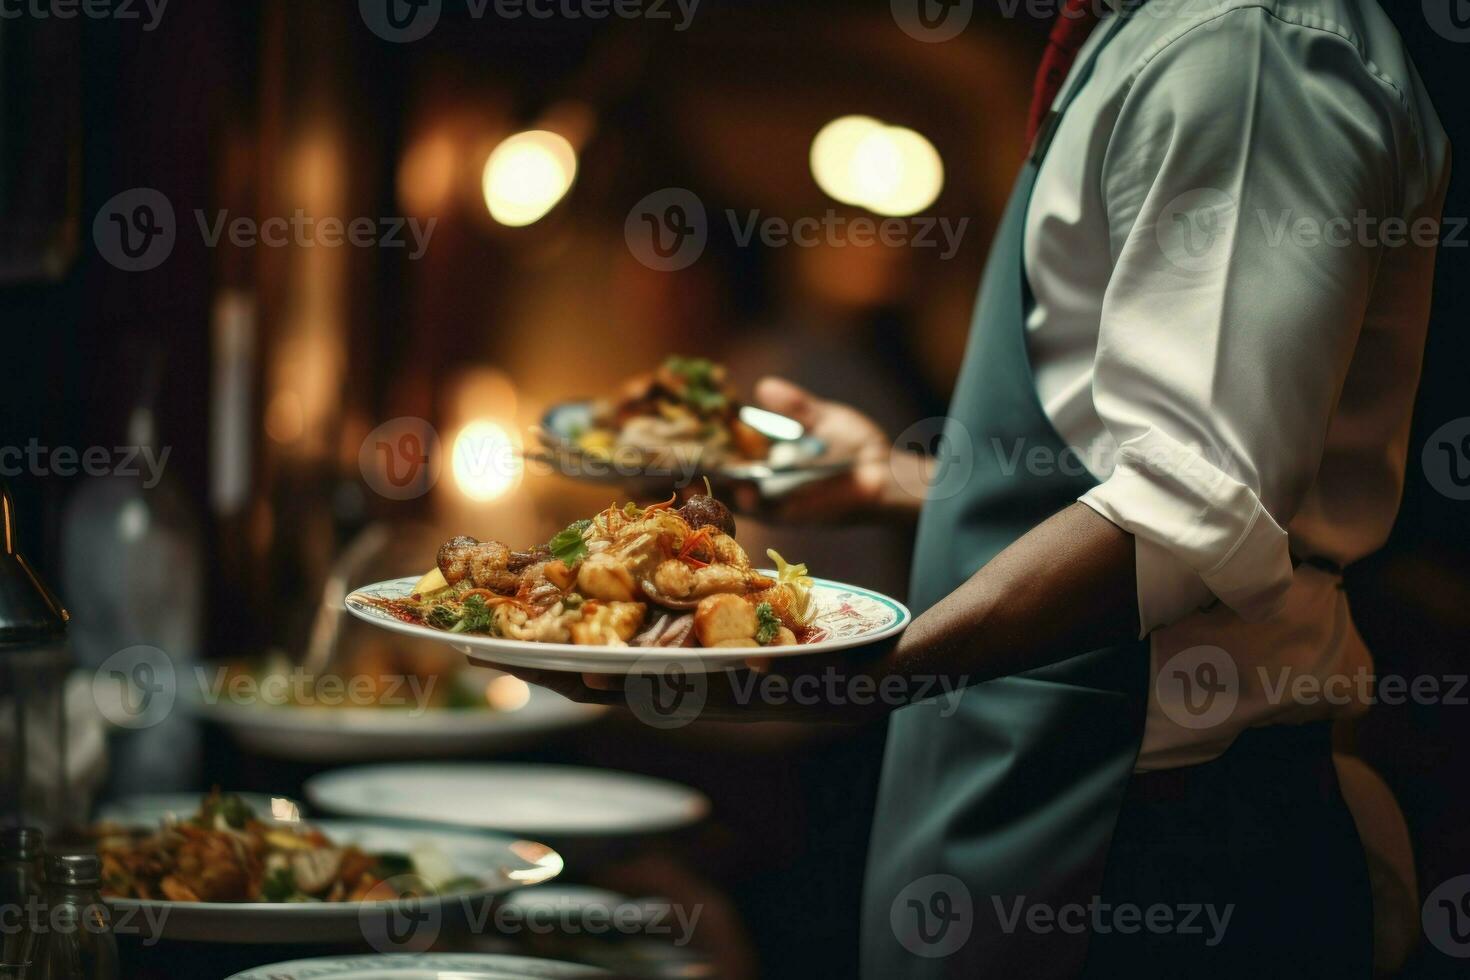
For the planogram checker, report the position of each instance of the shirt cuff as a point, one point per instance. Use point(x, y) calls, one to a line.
point(1199, 530)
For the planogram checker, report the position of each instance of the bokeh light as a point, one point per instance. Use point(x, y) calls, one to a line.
point(485, 460)
point(889, 170)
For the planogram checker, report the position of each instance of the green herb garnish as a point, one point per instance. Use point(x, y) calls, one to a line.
point(442, 617)
point(278, 885)
point(392, 864)
point(701, 388)
point(568, 544)
point(475, 617)
point(769, 624)
point(235, 811)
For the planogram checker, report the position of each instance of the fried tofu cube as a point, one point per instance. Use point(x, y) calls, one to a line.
point(724, 617)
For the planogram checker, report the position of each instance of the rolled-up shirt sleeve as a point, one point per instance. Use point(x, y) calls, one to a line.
point(1244, 181)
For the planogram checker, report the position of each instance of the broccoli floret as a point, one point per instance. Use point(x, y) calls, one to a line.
point(475, 617)
point(769, 624)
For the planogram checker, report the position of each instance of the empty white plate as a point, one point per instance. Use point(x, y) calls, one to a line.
point(421, 966)
point(551, 801)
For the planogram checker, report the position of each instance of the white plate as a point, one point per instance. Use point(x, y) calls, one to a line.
point(851, 615)
point(421, 966)
point(539, 800)
point(499, 863)
point(350, 734)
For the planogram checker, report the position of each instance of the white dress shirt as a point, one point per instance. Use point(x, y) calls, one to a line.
point(1231, 245)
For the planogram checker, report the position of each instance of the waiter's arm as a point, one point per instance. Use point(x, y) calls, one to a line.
point(1066, 585)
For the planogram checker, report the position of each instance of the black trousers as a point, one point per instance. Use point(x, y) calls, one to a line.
point(1256, 850)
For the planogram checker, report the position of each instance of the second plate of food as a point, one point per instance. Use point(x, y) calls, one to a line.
point(227, 874)
point(680, 420)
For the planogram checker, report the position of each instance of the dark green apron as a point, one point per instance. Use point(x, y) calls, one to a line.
point(1003, 802)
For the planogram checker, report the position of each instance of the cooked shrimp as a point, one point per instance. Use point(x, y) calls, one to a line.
point(485, 563)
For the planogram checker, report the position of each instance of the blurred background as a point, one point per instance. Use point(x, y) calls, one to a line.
point(520, 150)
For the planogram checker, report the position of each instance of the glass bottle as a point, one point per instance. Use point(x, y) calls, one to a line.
point(20, 896)
point(34, 660)
point(76, 940)
point(131, 544)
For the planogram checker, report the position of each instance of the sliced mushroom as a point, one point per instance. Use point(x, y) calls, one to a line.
point(658, 598)
point(316, 870)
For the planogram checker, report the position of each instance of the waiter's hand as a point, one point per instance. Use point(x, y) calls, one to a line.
point(883, 483)
point(846, 687)
point(1065, 587)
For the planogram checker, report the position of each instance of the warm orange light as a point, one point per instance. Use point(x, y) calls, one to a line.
point(485, 460)
point(507, 693)
point(889, 170)
point(426, 175)
point(284, 419)
point(526, 175)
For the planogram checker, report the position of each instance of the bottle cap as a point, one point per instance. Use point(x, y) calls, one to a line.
point(73, 869)
point(24, 843)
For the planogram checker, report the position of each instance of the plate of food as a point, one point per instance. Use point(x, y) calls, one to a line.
point(631, 589)
point(680, 420)
point(422, 966)
point(224, 874)
point(373, 705)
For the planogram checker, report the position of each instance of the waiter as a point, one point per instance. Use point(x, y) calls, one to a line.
point(1185, 405)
